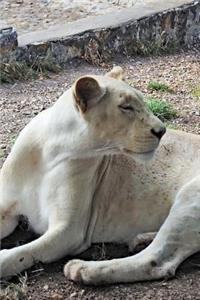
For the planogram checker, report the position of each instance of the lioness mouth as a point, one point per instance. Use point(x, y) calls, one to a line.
point(130, 152)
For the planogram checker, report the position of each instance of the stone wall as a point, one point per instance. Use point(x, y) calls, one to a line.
point(165, 31)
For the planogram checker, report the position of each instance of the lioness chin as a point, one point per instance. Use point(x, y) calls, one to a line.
point(79, 173)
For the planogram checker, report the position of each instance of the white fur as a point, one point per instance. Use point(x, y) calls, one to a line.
point(80, 171)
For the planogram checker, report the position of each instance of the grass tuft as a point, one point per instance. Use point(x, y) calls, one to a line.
point(10, 72)
point(196, 92)
point(14, 291)
point(13, 140)
point(1, 153)
point(158, 86)
point(13, 70)
point(163, 110)
point(172, 125)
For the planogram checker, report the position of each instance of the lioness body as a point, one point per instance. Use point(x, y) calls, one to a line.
point(142, 194)
point(77, 172)
point(137, 190)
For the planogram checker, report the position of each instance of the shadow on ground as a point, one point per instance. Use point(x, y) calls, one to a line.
point(46, 281)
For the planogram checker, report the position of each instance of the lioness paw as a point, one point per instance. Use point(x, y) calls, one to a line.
point(141, 241)
point(74, 270)
point(90, 272)
point(87, 272)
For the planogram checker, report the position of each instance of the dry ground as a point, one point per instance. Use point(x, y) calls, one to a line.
point(20, 102)
point(32, 15)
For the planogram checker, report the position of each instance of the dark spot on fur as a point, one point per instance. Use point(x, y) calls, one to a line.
point(153, 263)
point(21, 259)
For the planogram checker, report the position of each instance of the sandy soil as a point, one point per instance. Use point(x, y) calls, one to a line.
point(31, 15)
point(22, 101)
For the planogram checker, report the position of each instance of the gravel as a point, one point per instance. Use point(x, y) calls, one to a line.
point(32, 15)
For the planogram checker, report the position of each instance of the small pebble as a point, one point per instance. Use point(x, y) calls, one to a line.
point(73, 295)
point(46, 287)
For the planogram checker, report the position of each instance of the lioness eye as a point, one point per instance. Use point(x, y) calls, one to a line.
point(127, 108)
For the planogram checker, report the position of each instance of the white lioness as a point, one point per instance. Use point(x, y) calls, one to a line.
point(80, 171)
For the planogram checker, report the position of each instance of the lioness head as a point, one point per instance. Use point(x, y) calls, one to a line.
point(117, 118)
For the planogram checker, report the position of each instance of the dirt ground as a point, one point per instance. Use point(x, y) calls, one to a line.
point(21, 101)
point(32, 15)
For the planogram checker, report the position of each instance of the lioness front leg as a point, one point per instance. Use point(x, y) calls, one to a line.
point(49, 247)
point(178, 238)
point(68, 215)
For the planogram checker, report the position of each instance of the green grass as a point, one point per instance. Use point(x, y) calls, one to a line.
point(1, 153)
point(13, 140)
point(163, 110)
point(158, 86)
point(196, 92)
point(171, 125)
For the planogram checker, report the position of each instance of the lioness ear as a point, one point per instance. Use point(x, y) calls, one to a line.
point(116, 72)
point(87, 92)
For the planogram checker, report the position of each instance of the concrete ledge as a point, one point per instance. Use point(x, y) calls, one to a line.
point(111, 20)
point(143, 29)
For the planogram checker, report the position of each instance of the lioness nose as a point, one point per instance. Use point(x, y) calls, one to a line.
point(158, 133)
